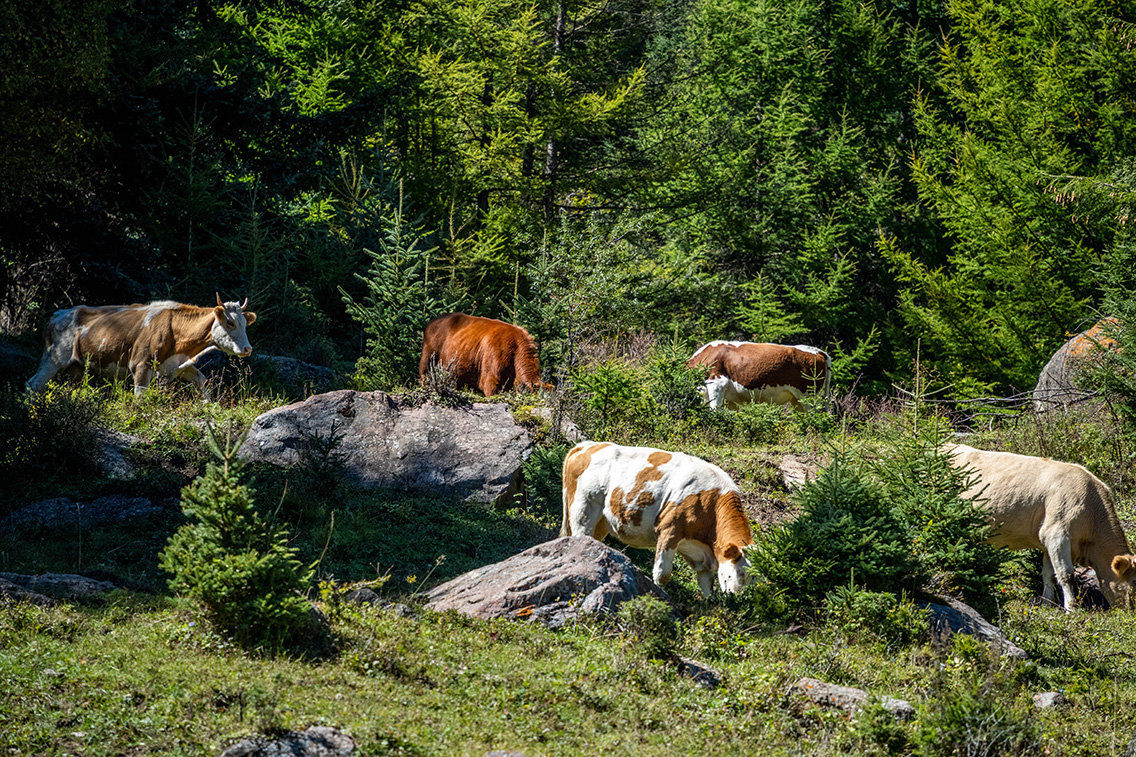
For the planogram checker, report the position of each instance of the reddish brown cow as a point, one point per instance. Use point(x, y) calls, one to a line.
point(485, 354)
point(742, 372)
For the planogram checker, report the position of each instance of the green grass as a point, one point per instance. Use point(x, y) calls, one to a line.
point(143, 673)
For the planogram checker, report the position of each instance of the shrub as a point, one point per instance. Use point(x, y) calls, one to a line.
point(861, 615)
point(947, 532)
point(44, 433)
point(542, 474)
point(229, 560)
point(759, 423)
point(648, 624)
point(847, 528)
point(972, 711)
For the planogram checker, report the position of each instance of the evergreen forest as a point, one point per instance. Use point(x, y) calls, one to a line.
point(948, 181)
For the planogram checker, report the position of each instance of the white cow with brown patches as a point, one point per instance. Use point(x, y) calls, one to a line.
point(660, 500)
point(1059, 508)
point(142, 340)
point(778, 374)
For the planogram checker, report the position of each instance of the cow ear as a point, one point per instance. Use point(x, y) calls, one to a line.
point(219, 312)
point(732, 552)
point(1124, 566)
point(249, 318)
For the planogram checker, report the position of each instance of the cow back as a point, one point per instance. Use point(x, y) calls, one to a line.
point(482, 353)
point(755, 365)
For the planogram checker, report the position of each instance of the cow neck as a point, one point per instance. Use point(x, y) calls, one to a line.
point(193, 329)
point(732, 526)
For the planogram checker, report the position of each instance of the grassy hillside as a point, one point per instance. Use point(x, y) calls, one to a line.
point(142, 672)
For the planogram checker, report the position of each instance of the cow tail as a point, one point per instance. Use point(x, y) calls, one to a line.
point(827, 381)
point(564, 529)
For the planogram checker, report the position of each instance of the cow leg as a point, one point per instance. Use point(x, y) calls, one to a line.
point(1048, 585)
point(664, 566)
point(189, 372)
point(1060, 553)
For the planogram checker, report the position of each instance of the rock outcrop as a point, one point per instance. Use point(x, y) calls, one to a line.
point(845, 698)
point(66, 586)
point(1057, 385)
point(317, 741)
point(948, 617)
point(471, 452)
point(554, 583)
point(63, 512)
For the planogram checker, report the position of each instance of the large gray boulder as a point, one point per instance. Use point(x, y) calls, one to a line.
point(295, 375)
point(62, 512)
point(948, 617)
point(1058, 385)
point(472, 452)
point(56, 585)
point(554, 583)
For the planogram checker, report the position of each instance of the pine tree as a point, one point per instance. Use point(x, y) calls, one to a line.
point(231, 561)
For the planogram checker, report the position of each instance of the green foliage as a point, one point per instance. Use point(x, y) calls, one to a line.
point(47, 438)
point(242, 571)
point(847, 530)
point(400, 300)
point(866, 615)
point(1031, 93)
point(542, 476)
point(974, 711)
point(948, 533)
point(610, 390)
point(648, 625)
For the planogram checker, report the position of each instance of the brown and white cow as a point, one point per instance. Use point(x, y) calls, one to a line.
point(743, 372)
point(1059, 508)
point(666, 501)
point(482, 353)
point(163, 337)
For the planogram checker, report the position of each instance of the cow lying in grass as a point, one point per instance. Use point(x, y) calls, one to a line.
point(1059, 508)
point(666, 501)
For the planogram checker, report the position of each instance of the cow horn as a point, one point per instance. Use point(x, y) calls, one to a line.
point(245, 303)
point(218, 299)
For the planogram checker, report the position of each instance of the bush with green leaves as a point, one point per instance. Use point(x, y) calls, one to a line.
point(880, 616)
point(56, 426)
point(948, 534)
point(648, 624)
point(542, 476)
point(847, 530)
point(400, 299)
point(230, 560)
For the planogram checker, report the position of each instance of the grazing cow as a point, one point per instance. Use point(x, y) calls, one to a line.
point(136, 340)
point(742, 372)
point(667, 501)
point(482, 353)
point(1059, 508)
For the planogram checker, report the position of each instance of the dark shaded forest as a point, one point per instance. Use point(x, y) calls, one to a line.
point(951, 180)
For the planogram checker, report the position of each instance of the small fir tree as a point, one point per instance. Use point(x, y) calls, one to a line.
point(232, 562)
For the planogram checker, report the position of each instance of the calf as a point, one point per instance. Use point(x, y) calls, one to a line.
point(1059, 508)
point(666, 501)
point(742, 372)
point(161, 337)
point(482, 353)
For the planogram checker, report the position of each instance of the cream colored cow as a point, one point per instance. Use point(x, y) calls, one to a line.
point(1059, 508)
point(660, 500)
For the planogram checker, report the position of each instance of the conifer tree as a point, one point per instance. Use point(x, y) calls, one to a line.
point(231, 561)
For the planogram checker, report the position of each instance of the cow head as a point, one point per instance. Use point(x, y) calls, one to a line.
point(733, 570)
point(229, 321)
point(1118, 588)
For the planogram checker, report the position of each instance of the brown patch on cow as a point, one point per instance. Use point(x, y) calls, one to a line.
point(483, 354)
point(658, 457)
point(710, 516)
point(575, 463)
point(629, 509)
point(756, 366)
